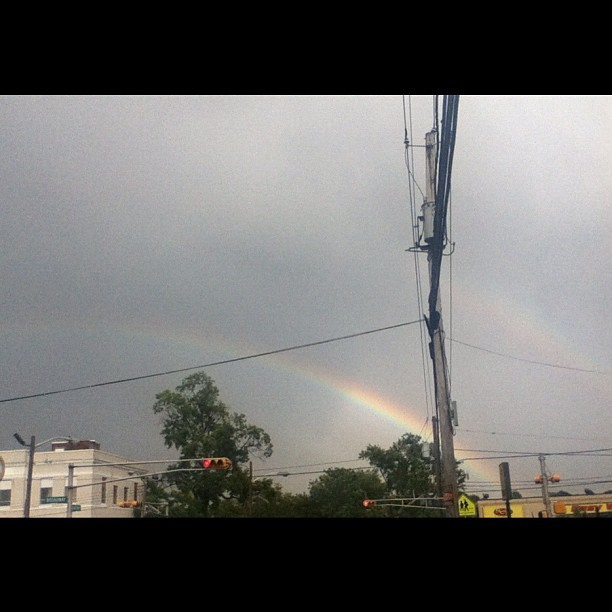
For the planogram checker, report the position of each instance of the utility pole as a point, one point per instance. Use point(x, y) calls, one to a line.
point(436, 455)
point(143, 497)
point(545, 494)
point(70, 490)
point(438, 167)
point(250, 488)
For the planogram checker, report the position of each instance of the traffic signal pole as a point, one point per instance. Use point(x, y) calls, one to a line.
point(545, 494)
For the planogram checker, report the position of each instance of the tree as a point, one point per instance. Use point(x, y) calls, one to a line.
point(270, 502)
point(404, 467)
point(340, 492)
point(198, 424)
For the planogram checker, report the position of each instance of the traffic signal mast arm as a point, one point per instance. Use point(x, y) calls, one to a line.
point(404, 501)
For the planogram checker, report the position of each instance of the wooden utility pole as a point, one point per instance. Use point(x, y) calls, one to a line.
point(434, 225)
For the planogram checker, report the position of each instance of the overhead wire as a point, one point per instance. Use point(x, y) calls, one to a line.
point(211, 364)
point(550, 365)
point(290, 348)
point(409, 161)
point(504, 433)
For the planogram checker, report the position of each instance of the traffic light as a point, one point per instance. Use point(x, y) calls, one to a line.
point(216, 463)
point(368, 503)
point(553, 478)
point(132, 503)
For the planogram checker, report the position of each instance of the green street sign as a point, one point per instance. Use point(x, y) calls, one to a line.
point(76, 507)
point(54, 500)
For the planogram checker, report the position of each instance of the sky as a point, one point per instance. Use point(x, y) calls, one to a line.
point(145, 237)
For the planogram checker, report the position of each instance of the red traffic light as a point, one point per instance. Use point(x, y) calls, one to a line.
point(368, 503)
point(216, 463)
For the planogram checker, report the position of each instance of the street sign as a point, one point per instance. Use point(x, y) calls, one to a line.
point(54, 500)
point(76, 507)
point(466, 506)
point(2, 467)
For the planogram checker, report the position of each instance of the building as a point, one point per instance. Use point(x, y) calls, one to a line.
point(100, 482)
point(563, 506)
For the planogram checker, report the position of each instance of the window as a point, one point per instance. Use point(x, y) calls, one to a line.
point(103, 493)
point(46, 489)
point(115, 491)
point(5, 493)
point(135, 491)
point(125, 493)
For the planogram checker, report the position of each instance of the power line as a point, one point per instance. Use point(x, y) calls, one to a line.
point(274, 352)
point(208, 365)
point(427, 383)
point(550, 365)
point(546, 437)
point(522, 455)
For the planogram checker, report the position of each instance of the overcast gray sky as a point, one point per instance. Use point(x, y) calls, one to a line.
point(143, 234)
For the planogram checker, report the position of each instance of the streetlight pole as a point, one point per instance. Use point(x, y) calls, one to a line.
point(26, 509)
point(32, 447)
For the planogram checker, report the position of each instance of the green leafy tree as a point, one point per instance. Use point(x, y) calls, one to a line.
point(340, 492)
point(198, 424)
point(270, 502)
point(404, 467)
point(407, 471)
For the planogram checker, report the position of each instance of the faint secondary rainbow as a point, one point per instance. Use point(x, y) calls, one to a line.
point(530, 333)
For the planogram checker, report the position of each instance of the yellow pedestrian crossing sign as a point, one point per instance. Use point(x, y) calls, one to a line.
point(466, 506)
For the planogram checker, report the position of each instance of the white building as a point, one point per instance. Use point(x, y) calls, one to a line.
point(100, 482)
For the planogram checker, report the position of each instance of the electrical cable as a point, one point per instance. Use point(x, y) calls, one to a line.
point(550, 365)
point(208, 365)
point(427, 384)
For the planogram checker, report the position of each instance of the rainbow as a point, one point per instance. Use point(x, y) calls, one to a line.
point(406, 419)
point(491, 309)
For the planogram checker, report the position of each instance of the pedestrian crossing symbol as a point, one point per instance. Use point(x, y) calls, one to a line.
point(466, 506)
